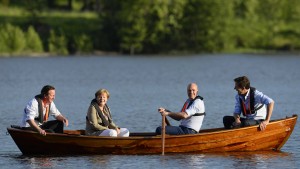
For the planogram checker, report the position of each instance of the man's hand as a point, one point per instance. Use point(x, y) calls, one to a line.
point(36, 127)
point(42, 132)
point(66, 121)
point(163, 111)
point(63, 119)
point(237, 123)
point(263, 125)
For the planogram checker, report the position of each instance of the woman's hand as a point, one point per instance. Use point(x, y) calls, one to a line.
point(118, 131)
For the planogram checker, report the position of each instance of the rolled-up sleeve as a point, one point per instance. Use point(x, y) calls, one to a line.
point(262, 98)
point(31, 110)
point(237, 106)
point(53, 110)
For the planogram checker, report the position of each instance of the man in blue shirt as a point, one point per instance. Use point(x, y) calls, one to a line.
point(256, 107)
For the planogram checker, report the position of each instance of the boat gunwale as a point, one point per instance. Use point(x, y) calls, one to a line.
point(145, 136)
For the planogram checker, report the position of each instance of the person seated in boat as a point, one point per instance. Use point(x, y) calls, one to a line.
point(98, 119)
point(191, 114)
point(255, 106)
point(37, 111)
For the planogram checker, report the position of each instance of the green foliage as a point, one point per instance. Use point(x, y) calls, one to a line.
point(12, 39)
point(57, 43)
point(163, 25)
point(206, 25)
point(34, 7)
point(83, 44)
point(34, 43)
point(155, 26)
point(4, 2)
point(133, 31)
point(110, 24)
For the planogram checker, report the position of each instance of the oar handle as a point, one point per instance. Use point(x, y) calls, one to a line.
point(163, 134)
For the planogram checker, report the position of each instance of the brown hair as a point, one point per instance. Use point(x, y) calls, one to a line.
point(46, 89)
point(242, 82)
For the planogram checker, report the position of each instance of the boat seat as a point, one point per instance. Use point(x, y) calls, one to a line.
point(74, 132)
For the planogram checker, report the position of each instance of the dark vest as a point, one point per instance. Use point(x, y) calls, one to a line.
point(252, 99)
point(105, 122)
point(40, 108)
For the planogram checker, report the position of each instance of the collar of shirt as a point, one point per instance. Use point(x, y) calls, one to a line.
point(246, 96)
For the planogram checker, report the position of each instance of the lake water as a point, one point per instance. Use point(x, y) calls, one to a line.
point(138, 86)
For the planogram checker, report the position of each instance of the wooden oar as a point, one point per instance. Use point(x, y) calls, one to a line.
point(163, 134)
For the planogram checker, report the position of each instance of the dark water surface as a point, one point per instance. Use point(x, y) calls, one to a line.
point(138, 86)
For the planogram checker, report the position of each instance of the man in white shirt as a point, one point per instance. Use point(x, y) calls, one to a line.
point(256, 107)
point(37, 111)
point(191, 114)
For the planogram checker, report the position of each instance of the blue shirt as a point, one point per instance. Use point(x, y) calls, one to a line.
point(259, 99)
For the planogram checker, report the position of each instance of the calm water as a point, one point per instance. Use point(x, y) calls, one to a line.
point(138, 86)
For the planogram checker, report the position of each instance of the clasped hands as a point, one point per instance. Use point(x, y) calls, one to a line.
point(163, 111)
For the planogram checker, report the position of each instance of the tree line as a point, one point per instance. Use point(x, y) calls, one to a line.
point(170, 26)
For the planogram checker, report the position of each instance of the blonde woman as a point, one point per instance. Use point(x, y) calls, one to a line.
point(98, 119)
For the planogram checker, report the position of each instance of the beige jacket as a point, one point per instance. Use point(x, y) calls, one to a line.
point(93, 121)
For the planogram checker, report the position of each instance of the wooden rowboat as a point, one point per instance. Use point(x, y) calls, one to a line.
point(210, 140)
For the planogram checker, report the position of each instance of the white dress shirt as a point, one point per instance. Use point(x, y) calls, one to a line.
point(31, 111)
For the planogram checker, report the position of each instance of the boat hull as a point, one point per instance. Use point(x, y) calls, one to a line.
point(211, 140)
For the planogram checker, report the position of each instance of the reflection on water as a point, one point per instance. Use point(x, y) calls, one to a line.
point(261, 159)
point(41, 163)
point(258, 159)
point(37, 162)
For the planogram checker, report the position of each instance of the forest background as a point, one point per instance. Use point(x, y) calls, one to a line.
point(84, 27)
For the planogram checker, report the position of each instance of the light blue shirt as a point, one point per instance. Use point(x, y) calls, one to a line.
point(259, 99)
point(194, 122)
